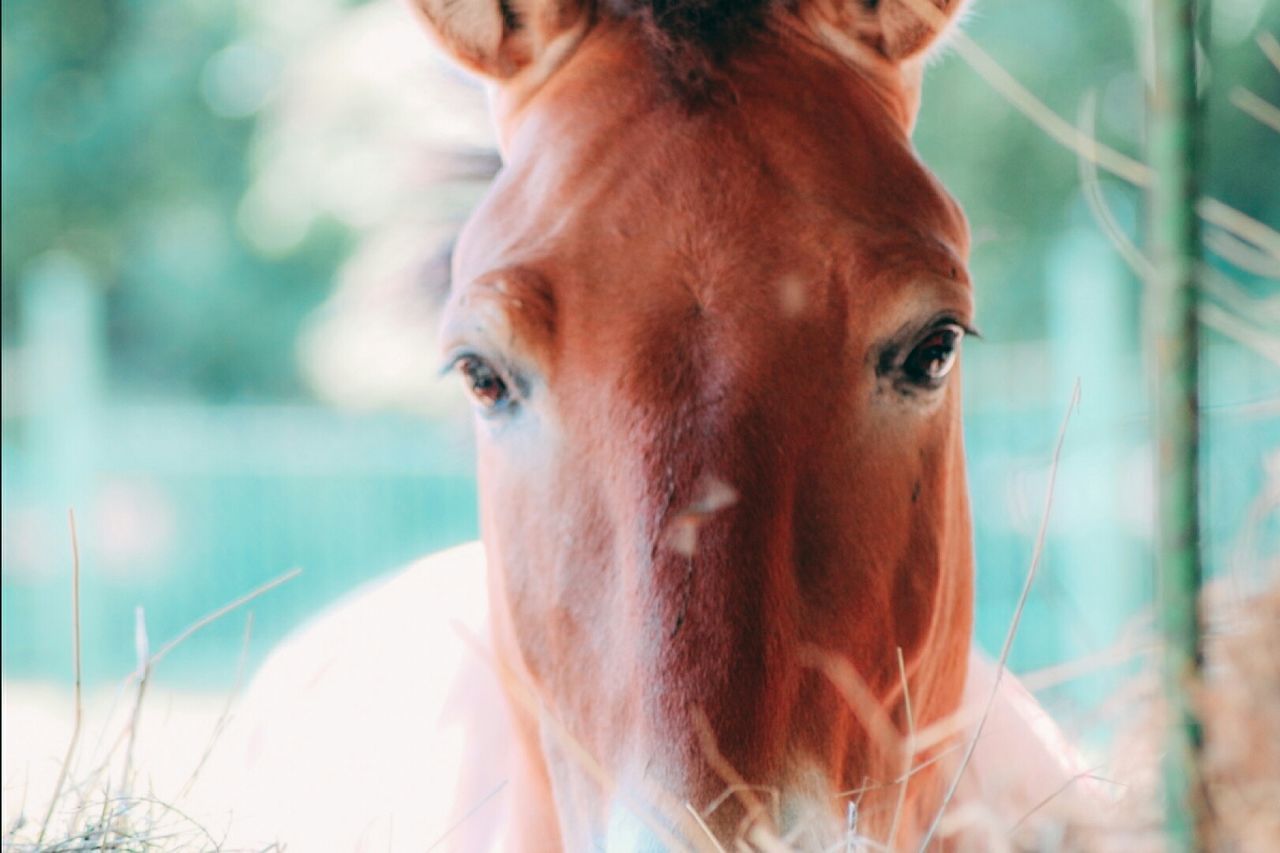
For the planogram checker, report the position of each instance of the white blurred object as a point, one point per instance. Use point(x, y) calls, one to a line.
point(380, 727)
point(377, 727)
point(368, 126)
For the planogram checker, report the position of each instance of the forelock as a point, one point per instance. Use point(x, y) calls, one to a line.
point(693, 39)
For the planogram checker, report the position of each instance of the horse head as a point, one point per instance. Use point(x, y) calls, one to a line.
point(709, 314)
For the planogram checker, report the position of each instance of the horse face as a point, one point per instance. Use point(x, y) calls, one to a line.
point(709, 314)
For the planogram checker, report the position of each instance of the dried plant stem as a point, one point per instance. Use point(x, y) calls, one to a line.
point(909, 752)
point(1053, 125)
point(1032, 570)
point(142, 645)
point(1264, 344)
point(440, 839)
point(79, 701)
point(1088, 170)
point(1270, 48)
point(182, 637)
point(1241, 254)
point(1229, 324)
point(1227, 218)
point(706, 830)
point(1123, 652)
point(1057, 792)
point(860, 699)
point(1069, 136)
point(1263, 110)
point(205, 621)
point(756, 832)
point(225, 717)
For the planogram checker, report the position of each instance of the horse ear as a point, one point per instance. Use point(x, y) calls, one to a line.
point(898, 30)
point(499, 38)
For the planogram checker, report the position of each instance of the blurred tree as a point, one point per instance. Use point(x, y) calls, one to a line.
point(130, 141)
point(127, 127)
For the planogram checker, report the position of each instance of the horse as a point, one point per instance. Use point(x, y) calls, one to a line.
point(709, 316)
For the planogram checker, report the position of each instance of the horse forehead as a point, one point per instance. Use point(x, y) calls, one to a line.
point(697, 199)
point(634, 206)
point(677, 207)
point(725, 178)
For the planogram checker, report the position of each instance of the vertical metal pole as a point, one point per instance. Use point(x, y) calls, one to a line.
point(1175, 148)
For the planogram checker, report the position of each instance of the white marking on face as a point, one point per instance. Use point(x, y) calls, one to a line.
point(712, 495)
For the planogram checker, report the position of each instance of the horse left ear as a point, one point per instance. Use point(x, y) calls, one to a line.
point(898, 30)
point(500, 38)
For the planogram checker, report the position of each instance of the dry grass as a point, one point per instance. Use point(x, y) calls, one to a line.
point(98, 802)
point(1239, 707)
point(101, 805)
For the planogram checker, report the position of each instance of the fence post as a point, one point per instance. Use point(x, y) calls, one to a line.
point(1174, 152)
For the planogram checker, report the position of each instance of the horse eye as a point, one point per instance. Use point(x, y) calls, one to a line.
point(484, 382)
point(932, 359)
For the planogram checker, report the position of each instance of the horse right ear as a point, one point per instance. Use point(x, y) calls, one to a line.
point(501, 38)
point(896, 30)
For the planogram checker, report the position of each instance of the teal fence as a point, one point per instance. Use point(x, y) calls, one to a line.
point(184, 506)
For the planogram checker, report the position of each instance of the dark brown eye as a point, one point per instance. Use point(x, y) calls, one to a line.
point(484, 382)
point(933, 358)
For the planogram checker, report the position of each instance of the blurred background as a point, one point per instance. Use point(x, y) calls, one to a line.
point(225, 234)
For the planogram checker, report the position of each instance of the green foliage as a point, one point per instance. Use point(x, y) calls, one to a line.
point(1021, 190)
point(114, 151)
point(124, 147)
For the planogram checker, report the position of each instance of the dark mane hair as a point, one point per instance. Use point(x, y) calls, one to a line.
point(692, 39)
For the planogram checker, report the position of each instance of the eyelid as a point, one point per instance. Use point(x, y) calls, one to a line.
point(894, 353)
point(465, 351)
point(951, 320)
point(452, 358)
point(908, 342)
point(518, 384)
